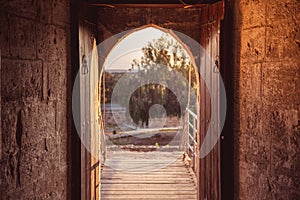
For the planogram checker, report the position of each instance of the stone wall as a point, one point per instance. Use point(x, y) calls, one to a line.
point(125, 19)
point(35, 69)
point(35, 83)
point(265, 62)
point(267, 99)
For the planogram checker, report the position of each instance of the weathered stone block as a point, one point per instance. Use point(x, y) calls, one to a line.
point(33, 163)
point(281, 183)
point(61, 116)
point(183, 28)
point(251, 116)
point(250, 80)
point(281, 125)
point(43, 116)
point(39, 163)
point(253, 44)
point(278, 10)
point(283, 41)
point(123, 19)
point(33, 151)
point(178, 15)
point(57, 83)
point(44, 11)
point(253, 13)
point(61, 139)
point(21, 79)
point(22, 38)
point(9, 112)
point(24, 8)
point(52, 44)
point(254, 181)
point(61, 12)
point(280, 83)
point(10, 148)
point(53, 12)
point(4, 34)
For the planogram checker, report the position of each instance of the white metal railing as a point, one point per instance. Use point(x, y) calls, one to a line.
point(189, 142)
point(102, 141)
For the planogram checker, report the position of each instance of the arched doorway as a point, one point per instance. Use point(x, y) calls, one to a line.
point(206, 163)
point(159, 49)
point(126, 57)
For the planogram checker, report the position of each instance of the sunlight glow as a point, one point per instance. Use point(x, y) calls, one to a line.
point(129, 48)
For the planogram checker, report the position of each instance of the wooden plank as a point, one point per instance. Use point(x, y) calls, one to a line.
point(94, 126)
point(138, 196)
point(146, 198)
point(141, 171)
point(144, 161)
point(218, 147)
point(208, 111)
point(84, 48)
point(149, 196)
point(143, 187)
point(161, 170)
point(162, 175)
point(204, 17)
point(215, 164)
point(174, 181)
point(212, 96)
point(202, 178)
point(147, 180)
point(156, 192)
point(150, 177)
point(172, 174)
point(214, 156)
point(163, 167)
point(160, 166)
point(191, 197)
point(209, 180)
point(221, 10)
point(0, 115)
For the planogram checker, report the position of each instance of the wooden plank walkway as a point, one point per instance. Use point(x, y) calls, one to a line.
point(147, 175)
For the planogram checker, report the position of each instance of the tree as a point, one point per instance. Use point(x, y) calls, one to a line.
point(161, 52)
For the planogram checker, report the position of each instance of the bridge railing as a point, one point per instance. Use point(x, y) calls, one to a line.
point(102, 152)
point(189, 142)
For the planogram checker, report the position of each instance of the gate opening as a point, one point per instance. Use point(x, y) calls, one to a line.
point(206, 170)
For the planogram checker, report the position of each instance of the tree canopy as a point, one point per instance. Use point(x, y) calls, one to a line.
point(168, 52)
point(162, 52)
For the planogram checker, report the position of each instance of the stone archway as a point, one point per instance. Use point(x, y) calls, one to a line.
point(206, 32)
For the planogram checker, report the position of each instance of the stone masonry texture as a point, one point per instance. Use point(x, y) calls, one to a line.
point(267, 78)
point(267, 97)
point(35, 68)
point(35, 82)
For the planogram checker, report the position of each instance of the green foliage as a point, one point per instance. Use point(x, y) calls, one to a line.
point(159, 53)
point(168, 52)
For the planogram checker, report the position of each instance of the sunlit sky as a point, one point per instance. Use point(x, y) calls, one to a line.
point(129, 48)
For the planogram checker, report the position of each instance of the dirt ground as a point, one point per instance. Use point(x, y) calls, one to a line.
point(157, 139)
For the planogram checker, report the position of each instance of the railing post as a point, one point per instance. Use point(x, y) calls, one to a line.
point(188, 131)
point(194, 145)
point(191, 137)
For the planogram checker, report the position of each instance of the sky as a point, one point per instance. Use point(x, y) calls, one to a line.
point(129, 48)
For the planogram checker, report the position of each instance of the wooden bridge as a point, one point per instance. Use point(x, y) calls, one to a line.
point(159, 173)
point(130, 175)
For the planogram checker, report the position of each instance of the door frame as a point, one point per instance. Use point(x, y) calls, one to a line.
point(77, 156)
